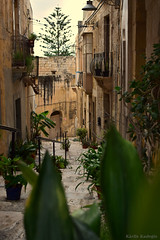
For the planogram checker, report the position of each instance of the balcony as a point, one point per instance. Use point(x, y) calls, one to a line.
point(20, 51)
point(24, 66)
point(102, 69)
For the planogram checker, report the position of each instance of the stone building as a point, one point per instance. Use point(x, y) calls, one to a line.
point(56, 93)
point(97, 52)
point(110, 47)
point(16, 94)
point(140, 29)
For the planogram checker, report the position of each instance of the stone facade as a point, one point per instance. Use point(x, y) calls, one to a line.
point(16, 98)
point(139, 30)
point(115, 37)
point(97, 46)
point(56, 93)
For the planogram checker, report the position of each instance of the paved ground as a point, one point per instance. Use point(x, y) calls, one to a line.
point(11, 213)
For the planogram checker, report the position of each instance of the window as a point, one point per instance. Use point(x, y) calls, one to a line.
point(87, 52)
point(106, 40)
point(16, 17)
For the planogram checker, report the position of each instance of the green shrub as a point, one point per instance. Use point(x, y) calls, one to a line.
point(81, 133)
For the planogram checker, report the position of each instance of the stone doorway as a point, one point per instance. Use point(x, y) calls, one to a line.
point(56, 117)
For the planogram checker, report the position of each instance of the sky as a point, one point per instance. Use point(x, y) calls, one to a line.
point(43, 8)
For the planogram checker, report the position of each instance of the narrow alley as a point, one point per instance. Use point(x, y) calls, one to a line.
point(11, 212)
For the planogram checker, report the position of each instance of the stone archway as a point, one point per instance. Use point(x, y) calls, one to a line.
point(56, 117)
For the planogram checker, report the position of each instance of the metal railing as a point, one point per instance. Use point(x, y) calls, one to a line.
point(20, 50)
point(53, 142)
point(101, 64)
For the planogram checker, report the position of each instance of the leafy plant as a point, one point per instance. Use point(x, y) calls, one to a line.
point(53, 215)
point(24, 150)
point(60, 162)
point(143, 101)
point(91, 162)
point(39, 123)
point(131, 204)
point(32, 36)
point(94, 145)
point(8, 169)
point(29, 63)
point(81, 133)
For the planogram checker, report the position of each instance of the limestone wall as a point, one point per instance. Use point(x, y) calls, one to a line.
point(11, 87)
point(56, 85)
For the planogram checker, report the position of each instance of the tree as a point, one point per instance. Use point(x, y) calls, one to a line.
point(56, 34)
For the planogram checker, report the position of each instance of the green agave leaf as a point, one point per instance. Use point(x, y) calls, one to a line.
point(28, 173)
point(82, 231)
point(91, 217)
point(122, 175)
point(145, 217)
point(46, 214)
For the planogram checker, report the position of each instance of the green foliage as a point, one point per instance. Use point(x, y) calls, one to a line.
point(91, 162)
point(60, 162)
point(131, 203)
point(39, 123)
point(29, 63)
point(122, 175)
point(47, 215)
point(18, 55)
point(24, 150)
point(81, 133)
point(143, 101)
point(8, 169)
point(56, 34)
point(32, 36)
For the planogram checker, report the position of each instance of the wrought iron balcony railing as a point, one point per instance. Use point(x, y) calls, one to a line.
point(20, 50)
point(101, 66)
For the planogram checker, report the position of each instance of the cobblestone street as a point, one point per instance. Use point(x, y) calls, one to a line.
point(11, 213)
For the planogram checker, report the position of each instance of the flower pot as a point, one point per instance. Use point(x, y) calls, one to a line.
point(85, 146)
point(14, 192)
point(94, 147)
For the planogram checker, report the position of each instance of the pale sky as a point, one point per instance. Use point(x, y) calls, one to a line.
point(42, 8)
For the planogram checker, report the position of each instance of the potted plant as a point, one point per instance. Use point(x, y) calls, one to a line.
point(18, 59)
point(29, 63)
point(66, 144)
point(90, 161)
point(25, 150)
point(85, 143)
point(60, 162)
point(94, 145)
point(32, 37)
point(81, 133)
point(13, 179)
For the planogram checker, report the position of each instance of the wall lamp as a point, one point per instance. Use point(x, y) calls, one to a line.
point(89, 7)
